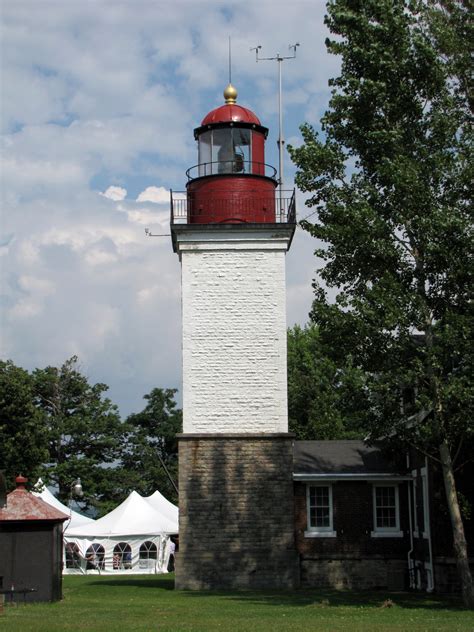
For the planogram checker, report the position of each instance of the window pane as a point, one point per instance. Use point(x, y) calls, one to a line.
point(222, 150)
point(73, 557)
point(148, 551)
point(205, 154)
point(241, 141)
point(122, 557)
point(319, 507)
point(322, 495)
point(385, 507)
point(322, 517)
point(386, 517)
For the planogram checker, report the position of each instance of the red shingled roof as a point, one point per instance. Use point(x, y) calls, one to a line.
point(21, 505)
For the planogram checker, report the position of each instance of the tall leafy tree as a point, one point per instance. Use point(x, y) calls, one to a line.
point(84, 431)
point(151, 457)
point(390, 183)
point(23, 437)
point(326, 399)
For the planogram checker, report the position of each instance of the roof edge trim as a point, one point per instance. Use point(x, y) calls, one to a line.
point(353, 476)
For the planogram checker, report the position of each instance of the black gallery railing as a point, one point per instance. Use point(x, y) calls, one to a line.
point(278, 209)
point(238, 165)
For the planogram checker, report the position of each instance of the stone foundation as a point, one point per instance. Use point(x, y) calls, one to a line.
point(236, 520)
point(446, 575)
point(359, 574)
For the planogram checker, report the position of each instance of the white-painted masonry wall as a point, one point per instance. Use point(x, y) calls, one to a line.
point(234, 330)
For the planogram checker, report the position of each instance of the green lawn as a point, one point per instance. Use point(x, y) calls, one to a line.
point(137, 602)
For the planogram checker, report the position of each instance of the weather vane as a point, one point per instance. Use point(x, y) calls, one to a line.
point(279, 58)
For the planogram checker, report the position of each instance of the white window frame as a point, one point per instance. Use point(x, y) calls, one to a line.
point(386, 532)
point(319, 532)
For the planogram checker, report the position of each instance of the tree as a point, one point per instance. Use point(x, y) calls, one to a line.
point(326, 400)
point(23, 439)
point(390, 185)
point(84, 431)
point(152, 445)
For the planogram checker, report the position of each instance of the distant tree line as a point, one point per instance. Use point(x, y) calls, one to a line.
point(54, 424)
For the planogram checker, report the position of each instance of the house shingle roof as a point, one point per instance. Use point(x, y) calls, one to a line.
point(341, 457)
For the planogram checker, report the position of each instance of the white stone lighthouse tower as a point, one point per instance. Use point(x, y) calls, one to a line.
point(235, 454)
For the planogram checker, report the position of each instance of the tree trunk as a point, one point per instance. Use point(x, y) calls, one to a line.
point(459, 539)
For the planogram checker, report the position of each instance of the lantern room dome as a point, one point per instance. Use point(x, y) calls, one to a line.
point(230, 112)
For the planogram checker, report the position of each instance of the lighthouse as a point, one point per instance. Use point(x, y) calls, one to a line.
point(231, 232)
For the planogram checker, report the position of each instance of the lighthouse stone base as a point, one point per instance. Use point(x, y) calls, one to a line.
point(236, 512)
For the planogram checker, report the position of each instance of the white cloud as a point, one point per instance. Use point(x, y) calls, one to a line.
point(146, 218)
point(41, 287)
point(24, 173)
point(159, 195)
point(98, 95)
point(115, 193)
point(96, 256)
point(25, 308)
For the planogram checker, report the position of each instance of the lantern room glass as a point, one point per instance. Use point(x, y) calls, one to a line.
point(224, 151)
point(205, 143)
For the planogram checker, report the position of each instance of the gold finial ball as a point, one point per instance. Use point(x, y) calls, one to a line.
point(230, 94)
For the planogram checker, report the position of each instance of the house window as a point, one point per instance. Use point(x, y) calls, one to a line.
point(386, 512)
point(319, 511)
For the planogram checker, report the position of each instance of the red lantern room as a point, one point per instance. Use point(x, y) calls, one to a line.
point(231, 182)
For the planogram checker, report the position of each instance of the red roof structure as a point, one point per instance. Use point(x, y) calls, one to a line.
point(230, 112)
point(21, 505)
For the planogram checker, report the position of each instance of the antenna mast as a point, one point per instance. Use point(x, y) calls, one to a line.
point(281, 141)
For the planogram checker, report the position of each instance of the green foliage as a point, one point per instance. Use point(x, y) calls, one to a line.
point(23, 439)
point(152, 444)
point(389, 180)
point(55, 424)
point(84, 430)
point(326, 400)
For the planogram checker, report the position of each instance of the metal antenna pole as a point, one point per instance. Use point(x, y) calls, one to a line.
point(230, 60)
point(281, 141)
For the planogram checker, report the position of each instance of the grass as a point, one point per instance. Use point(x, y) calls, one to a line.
point(144, 603)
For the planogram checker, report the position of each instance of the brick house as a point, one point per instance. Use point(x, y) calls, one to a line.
point(365, 519)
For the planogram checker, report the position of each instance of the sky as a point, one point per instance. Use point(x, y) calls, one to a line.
point(99, 99)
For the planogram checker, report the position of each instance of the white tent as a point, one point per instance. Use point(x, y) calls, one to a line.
point(163, 506)
point(76, 519)
point(133, 538)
